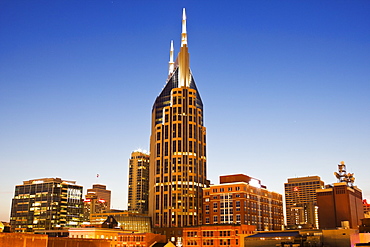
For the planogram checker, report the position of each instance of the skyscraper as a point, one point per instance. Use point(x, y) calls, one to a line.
point(300, 201)
point(46, 203)
point(138, 185)
point(177, 147)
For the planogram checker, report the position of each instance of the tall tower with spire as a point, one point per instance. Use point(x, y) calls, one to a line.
point(177, 147)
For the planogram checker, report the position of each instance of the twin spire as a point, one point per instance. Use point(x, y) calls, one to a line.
point(184, 38)
point(184, 42)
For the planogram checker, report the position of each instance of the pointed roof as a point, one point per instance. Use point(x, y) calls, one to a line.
point(184, 38)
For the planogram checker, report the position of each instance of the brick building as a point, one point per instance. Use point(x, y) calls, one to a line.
point(216, 235)
point(242, 199)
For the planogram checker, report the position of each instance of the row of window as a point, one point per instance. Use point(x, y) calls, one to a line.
point(211, 242)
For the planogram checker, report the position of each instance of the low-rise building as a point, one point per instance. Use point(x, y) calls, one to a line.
point(306, 237)
point(216, 235)
point(130, 221)
point(140, 239)
point(240, 199)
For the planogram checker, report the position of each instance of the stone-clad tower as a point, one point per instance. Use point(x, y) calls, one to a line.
point(177, 147)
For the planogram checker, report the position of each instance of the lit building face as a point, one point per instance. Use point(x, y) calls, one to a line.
point(138, 186)
point(177, 149)
point(45, 204)
point(301, 202)
point(242, 203)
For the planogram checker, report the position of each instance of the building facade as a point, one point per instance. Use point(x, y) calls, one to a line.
point(138, 185)
point(366, 208)
point(140, 239)
point(101, 193)
point(177, 147)
point(340, 204)
point(46, 203)
point(126, 220)
point(240, 199)
point(216, 235)
point(97, 200)
point(300, 201)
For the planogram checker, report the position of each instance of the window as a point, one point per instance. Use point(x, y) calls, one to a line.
point(215, 219)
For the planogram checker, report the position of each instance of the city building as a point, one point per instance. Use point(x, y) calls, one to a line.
point(94, 205)
point(366, 208)
point(130, 221)
point(340, 204)
point(46, 203)
point(96, 233)
point(240, 199)
point(304, 237)
point(216, 235)
point(300, 201)
point(100, 192)
point(140, 239)
point(42, 240)
point(177, 148)
point(138, 182)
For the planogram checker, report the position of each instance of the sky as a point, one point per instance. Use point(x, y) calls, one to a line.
point(285, 87)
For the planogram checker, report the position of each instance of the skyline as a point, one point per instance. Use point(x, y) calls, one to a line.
point(291, 79)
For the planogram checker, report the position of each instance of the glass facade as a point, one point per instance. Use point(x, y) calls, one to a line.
point(46, 204)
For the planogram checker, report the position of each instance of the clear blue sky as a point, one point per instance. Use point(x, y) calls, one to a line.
point(285, 86)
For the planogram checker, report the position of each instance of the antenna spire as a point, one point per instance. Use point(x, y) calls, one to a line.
point(184, 38)
point(171, 64)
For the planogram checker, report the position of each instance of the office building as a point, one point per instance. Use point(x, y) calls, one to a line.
point(138, 182)
point(97, 200)
point(177, 147)
point(100, 192)
point(46, 203)
point(93, 205)
point(340, 204)
point(240, 199)
point(300, 201)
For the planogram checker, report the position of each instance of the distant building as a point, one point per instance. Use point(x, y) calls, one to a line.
point(126, 220)
point(97, 200)
point(366, 208)
point(216, 235)
point(240, 199)
point(140, 239)
point(101, 193)
point(46, 203)
point(138, 185)
point(340, 204)
point(304, 237)
point(300, 201)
